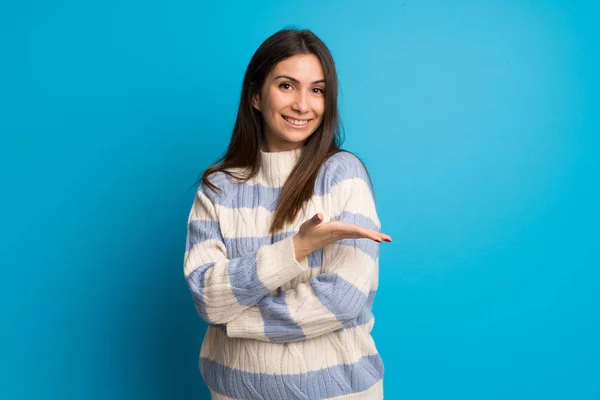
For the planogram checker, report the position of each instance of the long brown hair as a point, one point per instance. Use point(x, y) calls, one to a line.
point(244, 147)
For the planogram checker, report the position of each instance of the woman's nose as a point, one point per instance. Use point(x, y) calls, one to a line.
point(300, 104)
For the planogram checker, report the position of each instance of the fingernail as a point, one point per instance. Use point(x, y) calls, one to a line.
point(388, 240)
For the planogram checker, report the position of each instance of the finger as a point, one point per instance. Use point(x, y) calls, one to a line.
point(316, 219)
point(374, 235)
point(356, 232)
point(384, 237)
point(360, 232)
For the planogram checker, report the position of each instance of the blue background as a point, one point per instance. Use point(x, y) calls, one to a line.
point(477, 120)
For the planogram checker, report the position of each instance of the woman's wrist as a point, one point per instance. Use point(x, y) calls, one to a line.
point(300, 249)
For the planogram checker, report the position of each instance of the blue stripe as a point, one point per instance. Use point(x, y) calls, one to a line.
point(336, 169)
point(243, 278)
point(252, 196)
point(365, 315)
point(340, 297)
point(242, 195)
point(240, 246)
point(344, 300)
point(279, 325)
point(201, 230)
point(321, 384)
point(195, 283)
point(244, 281)
point(315, 259)
point(344, 166)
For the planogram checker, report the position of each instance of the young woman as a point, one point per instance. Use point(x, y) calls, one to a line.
point(283, 241)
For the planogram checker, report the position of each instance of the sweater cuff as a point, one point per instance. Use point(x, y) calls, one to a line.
point(278, 265)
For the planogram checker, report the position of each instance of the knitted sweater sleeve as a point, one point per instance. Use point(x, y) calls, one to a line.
point(224, 287)
point(333, 299)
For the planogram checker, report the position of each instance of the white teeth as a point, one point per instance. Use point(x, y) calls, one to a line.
point(298, 122)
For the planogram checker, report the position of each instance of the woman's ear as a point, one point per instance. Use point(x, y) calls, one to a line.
point(256, 101)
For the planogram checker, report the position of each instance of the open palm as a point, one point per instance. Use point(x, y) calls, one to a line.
point(313, 234)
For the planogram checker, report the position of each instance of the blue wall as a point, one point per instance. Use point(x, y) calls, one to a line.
point(478, 122)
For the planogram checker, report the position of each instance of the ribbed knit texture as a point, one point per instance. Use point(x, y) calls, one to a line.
point(280, 328)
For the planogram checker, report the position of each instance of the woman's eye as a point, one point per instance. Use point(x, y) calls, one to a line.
point(285, 86)
point(319, 90)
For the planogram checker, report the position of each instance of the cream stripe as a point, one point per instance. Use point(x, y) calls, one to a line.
point(219, 300)
point(217, 396)
point(203, 253)
point(375, 392)
point(343, 347)
point(243, 222)
point(357, 199)
point(351, 264)
point(265, 176)
point(304, 307)
point(202, 209)
point(309, 313)
point(249, 320)
point(375, 280)
point(277, 264)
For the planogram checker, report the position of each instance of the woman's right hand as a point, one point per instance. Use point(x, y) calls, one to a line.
point(313, 235)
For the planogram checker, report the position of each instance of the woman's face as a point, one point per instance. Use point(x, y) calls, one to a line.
point(292, 102)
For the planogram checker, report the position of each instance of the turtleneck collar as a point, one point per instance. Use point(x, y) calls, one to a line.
point(275, 167)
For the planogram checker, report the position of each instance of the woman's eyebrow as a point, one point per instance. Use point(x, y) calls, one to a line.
point(296, 80)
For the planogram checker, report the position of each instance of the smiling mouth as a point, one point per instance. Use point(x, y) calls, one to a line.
point(296, 122)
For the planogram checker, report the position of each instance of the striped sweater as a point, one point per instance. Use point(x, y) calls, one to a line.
point(280, 328)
